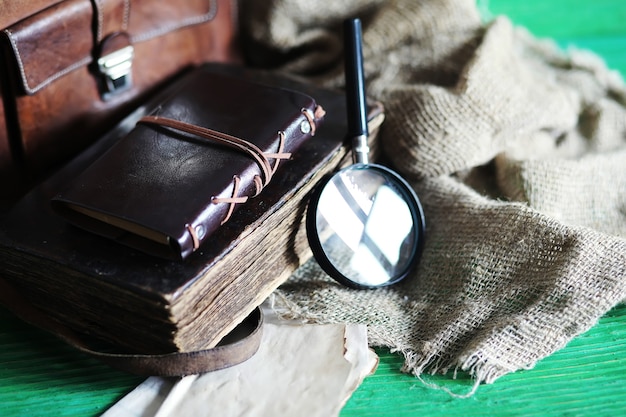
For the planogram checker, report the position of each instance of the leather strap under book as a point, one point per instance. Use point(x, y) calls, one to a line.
point(238, 346)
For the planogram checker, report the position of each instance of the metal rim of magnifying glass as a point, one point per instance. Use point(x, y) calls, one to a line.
point(417, 214)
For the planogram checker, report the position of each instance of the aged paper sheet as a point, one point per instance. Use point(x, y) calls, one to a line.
point(300, 369)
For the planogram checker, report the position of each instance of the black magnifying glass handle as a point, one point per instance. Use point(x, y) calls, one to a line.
point(365, 225)
point(355, 91)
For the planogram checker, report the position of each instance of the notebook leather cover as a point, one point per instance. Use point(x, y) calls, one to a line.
point(176, 178)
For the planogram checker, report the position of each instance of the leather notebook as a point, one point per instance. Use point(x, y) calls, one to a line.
point(177, 177)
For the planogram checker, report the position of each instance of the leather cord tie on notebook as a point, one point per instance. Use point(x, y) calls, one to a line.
point(236, 347)
point(234, 142)
point(235, 198)
point(261, 158)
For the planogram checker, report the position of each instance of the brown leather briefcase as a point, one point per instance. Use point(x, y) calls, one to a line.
point(71, 69)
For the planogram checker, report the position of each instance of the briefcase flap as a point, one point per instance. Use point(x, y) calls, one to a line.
point(12, 11)
point(72, 34)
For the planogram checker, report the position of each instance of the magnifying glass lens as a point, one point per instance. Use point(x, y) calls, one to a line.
point(367, 225)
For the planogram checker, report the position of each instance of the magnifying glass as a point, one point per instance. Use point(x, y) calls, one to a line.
point(365, 224)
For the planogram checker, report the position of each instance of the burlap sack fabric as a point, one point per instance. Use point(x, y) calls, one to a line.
point(517, 151)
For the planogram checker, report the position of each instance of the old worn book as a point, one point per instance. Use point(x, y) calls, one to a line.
point(216, 142)
point(141, 303)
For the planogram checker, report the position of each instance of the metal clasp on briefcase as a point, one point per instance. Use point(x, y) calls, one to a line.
point(115, 66)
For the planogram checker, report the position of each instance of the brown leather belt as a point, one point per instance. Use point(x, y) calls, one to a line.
point(238, 346)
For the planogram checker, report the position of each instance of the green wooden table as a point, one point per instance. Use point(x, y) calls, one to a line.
point(40, 376)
